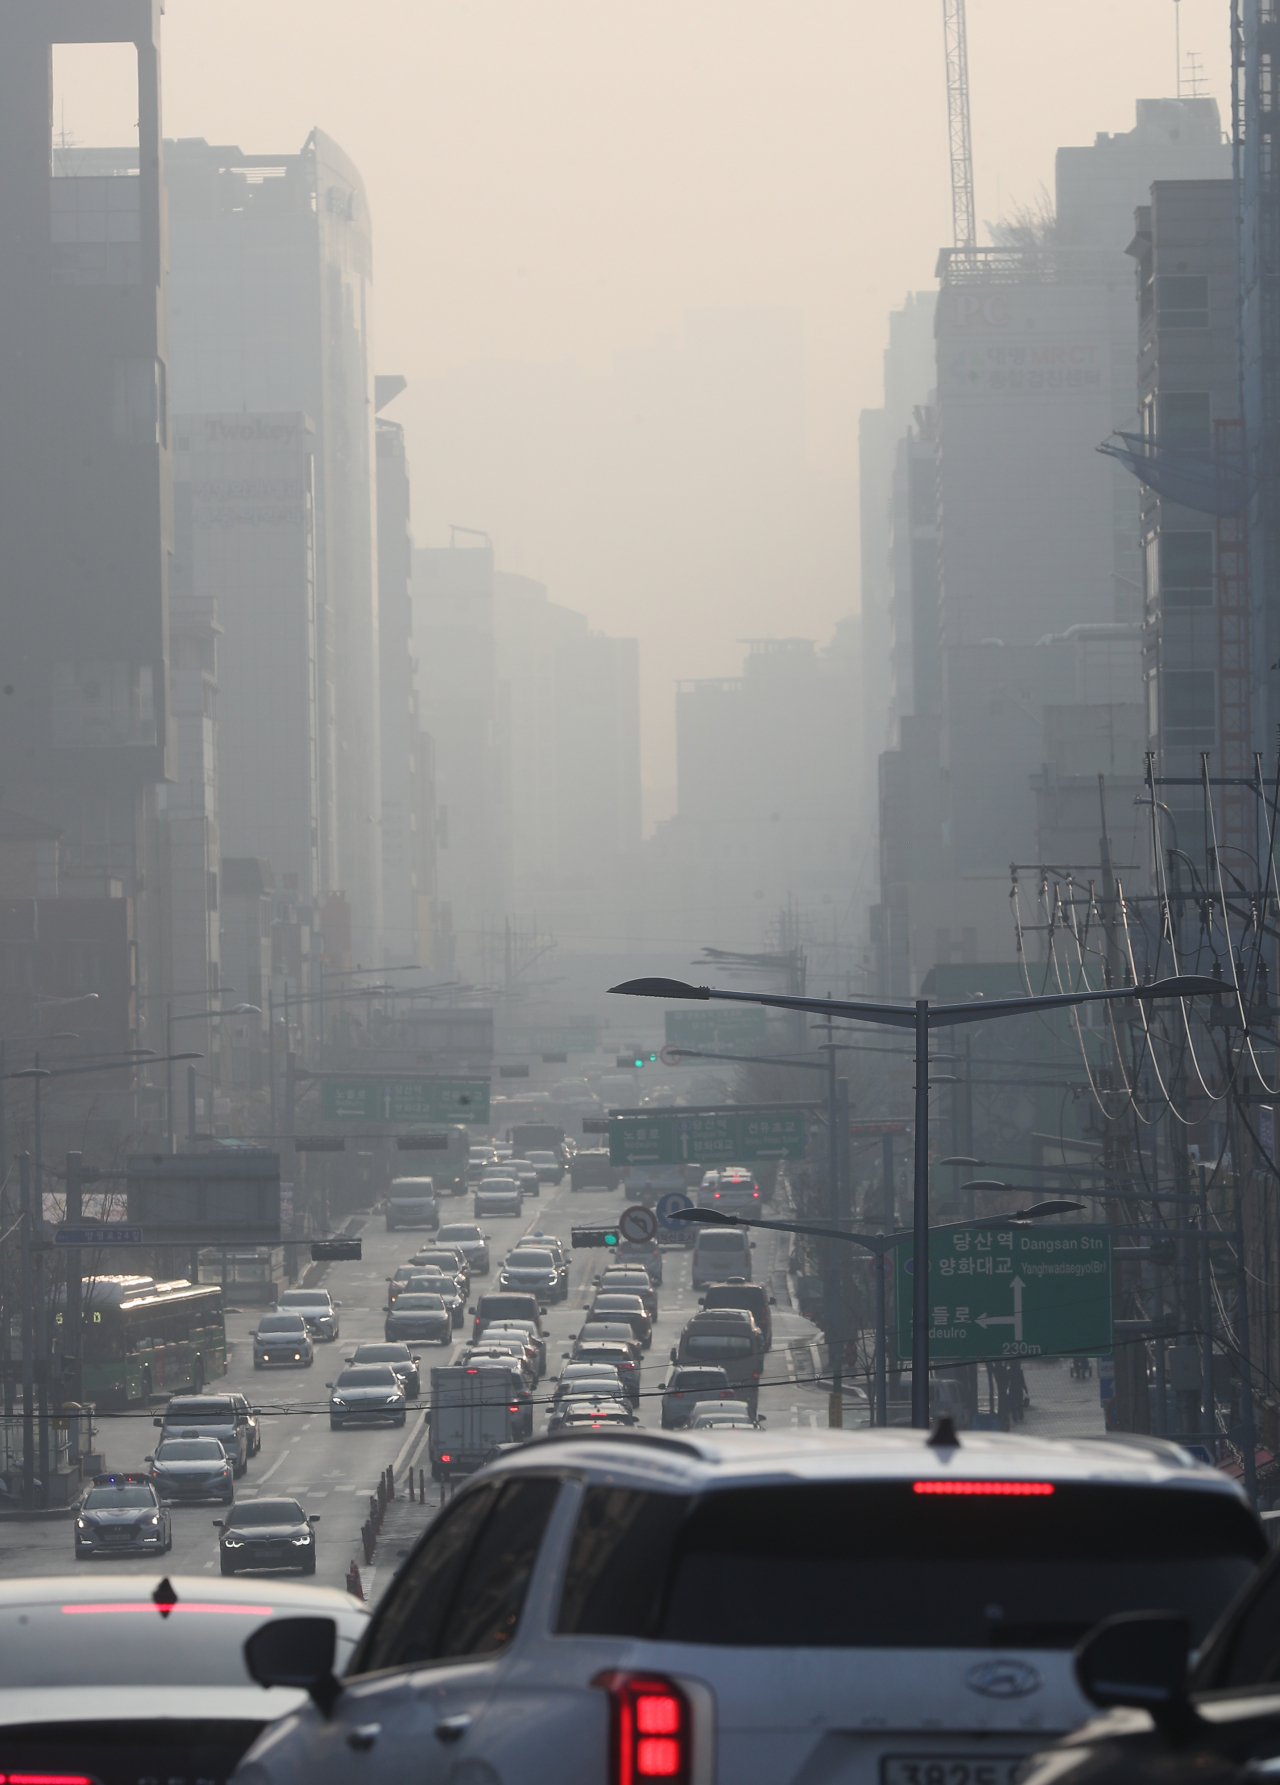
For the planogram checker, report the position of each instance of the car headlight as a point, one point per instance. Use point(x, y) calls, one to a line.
point(393, 1400)
point(226, 1469)
point(302, 1542)
point(153, 1520)
point(337, 1401)
point(82, 1524)
point(233, 1543)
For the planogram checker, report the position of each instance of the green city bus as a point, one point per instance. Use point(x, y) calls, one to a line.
point(142, 1338)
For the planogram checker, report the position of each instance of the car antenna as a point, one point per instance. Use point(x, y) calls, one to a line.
point(165, 1597)
point(943, 1436)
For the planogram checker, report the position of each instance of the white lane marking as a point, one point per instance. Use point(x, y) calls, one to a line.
point(271, 1471)
point(795, 1416)
point(210, 1564)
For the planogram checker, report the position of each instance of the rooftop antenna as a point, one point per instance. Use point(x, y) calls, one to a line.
point(1195, 75)
point(963, 229)
point(1177, 47)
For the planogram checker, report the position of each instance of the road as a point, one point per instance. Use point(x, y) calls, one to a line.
point(333, 1473)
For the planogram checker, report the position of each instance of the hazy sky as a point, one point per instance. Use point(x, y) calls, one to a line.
point(554, 183)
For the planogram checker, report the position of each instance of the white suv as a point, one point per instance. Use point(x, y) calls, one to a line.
point(861, 1609)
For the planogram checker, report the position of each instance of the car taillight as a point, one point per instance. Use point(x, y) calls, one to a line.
point(650, 1728)
point(445, 1457)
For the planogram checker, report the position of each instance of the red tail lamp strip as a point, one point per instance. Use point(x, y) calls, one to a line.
point(1021, 1490)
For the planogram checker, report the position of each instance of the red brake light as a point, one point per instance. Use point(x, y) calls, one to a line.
point(45, 1779)
point(1019, 1488)
point(651, 1729)
point(445, 1457)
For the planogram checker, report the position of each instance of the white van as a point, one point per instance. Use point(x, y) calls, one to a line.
point(721, 1252)
point(412, 1203)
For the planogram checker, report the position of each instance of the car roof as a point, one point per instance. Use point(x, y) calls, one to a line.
point(696, 1460)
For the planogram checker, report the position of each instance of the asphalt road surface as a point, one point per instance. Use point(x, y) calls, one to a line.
point(333, 1473)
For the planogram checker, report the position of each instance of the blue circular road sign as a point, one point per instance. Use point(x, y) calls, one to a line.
point(674, 1199)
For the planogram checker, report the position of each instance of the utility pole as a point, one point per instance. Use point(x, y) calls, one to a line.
point(28, 1340)
point(833, 1312)
point(72, 1337)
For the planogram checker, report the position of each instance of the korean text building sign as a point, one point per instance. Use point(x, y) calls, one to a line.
point(1035, 1291)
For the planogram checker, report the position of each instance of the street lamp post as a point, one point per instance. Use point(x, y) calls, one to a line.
point(922, 1019)
point(190, 1016)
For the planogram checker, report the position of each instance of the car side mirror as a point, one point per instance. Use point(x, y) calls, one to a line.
point(426, 1418)
point(565, 1354)
point(673, 1354)
point(157, 1422)
point(148, 1459)
point(313, 1518)
point(471, 1310)
point(296, 1652)
point(256, 1411)
point(1139, 1659)
point(773, 1301)
point(328, 1385)
point(337, 1304)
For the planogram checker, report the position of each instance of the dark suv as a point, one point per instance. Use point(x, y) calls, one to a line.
point(738, 1294)
point(210, 1416)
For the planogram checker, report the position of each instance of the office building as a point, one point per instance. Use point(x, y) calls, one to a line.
point(270, 323)
point(85, 474)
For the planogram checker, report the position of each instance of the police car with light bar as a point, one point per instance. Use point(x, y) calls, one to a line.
point(122, 1515)
point(884, 1609)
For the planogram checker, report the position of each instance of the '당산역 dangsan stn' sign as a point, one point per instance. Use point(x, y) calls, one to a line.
point(995, 1293)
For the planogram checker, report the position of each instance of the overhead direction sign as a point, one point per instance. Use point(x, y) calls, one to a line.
point(714, 1028)
point(405, 1099)
point(708, 1137)
point(997, 1293)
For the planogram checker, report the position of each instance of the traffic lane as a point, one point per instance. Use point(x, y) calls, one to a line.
point(790, 1393)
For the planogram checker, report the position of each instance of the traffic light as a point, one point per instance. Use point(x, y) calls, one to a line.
point(594, 1236)
point(637, 1057)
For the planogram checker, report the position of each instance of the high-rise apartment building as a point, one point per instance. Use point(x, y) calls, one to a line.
point(85, 475)
point(270, 317)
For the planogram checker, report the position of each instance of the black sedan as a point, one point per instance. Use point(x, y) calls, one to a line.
point(366, 1394)
point(193, 1469)
point(420, 1316)
point(121, 1515)
point(267, 1534)
point(401, 1359)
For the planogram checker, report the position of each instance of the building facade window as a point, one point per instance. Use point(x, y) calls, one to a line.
point(1190, 707)
point(1182, 300)
point(1186, 568)
point(1184, 420)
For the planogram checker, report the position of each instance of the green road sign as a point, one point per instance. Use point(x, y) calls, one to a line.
point(1036, 1291)
point(737, 1029)
point(708, 1137)
point(405, 1100)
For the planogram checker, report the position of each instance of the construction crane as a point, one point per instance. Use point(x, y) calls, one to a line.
point(963, 228)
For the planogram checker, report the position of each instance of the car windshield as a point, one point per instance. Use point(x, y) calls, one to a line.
point(415, 1303)
point(721, 1242)
point(718, 1345)
point(433, 1280)
point(382, 1354)
point(868, 1564)
point(464, 1233)
point(266, 1512)
point(191, 1450)
point(281, 1323)
point(305, 1298)
point(699, 1379)
point(115, 1499)
point(443, 1261)
point(369, 1376)
point(530, 1261)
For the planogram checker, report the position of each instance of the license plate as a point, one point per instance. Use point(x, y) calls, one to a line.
point(950, 1769)
point(118, 1536)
